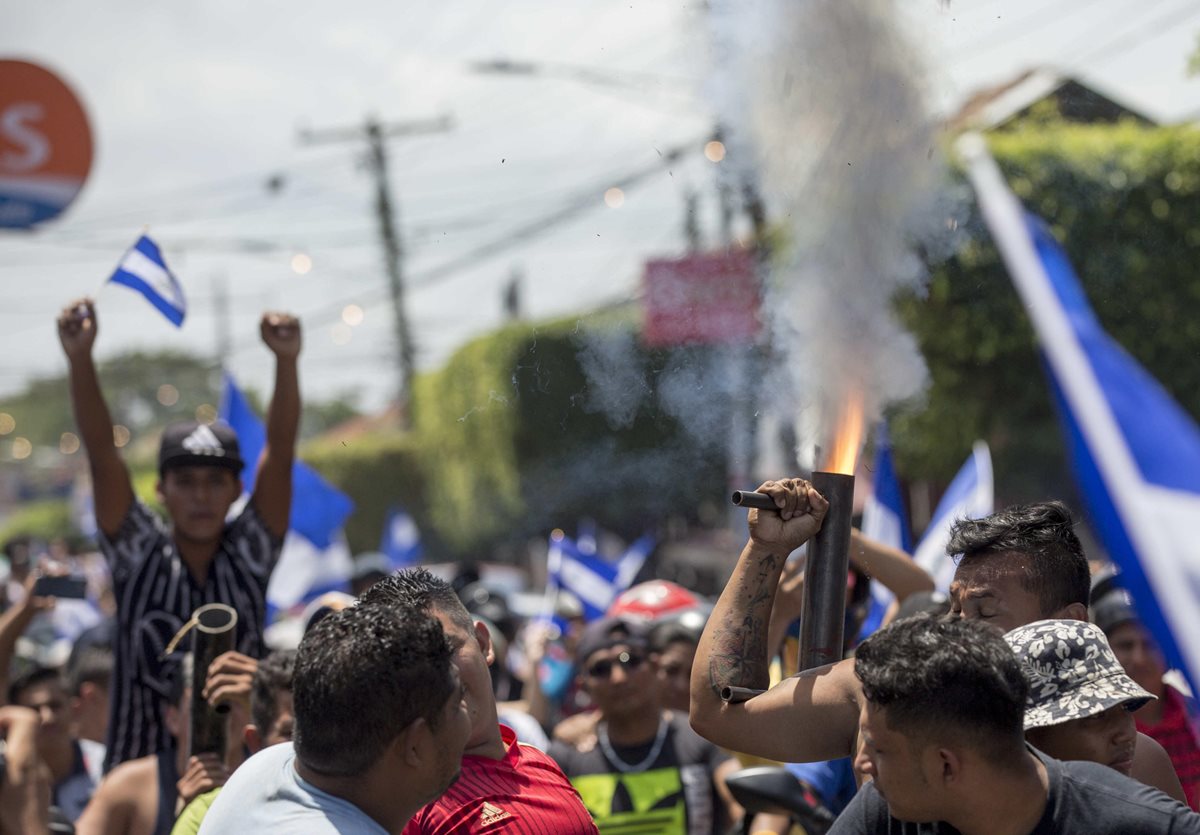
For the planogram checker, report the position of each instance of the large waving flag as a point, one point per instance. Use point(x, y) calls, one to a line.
point(1136, 453)
point(144, 269)
point(318, 508)
point(311, 552)
point(596, 581)
point(884, 520)
point(970, 496)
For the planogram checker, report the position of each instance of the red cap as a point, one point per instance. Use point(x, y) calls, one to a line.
point(653, 599)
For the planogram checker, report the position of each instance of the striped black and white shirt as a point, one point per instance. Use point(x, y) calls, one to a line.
point(156, 595)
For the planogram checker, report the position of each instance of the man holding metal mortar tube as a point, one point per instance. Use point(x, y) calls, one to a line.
point(163, 572)
point(1017, 566)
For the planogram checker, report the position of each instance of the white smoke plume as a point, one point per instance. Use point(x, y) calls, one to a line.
point(823, 103)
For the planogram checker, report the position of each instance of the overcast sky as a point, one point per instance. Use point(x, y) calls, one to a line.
point(194, 107)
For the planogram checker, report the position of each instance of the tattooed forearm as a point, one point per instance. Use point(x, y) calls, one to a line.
point(739, 655)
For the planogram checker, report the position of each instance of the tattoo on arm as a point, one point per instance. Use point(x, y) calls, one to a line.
point(739, 655)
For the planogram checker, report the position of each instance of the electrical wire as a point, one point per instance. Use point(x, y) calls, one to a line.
point(525, 232)
point(1130, 38)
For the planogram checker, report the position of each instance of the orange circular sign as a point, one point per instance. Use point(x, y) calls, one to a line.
point(45, 145)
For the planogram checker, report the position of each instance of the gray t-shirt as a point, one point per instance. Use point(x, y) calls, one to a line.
point(267, 797)
point(1085, 798)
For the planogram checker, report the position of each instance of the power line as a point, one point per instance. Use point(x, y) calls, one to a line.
point(1130, 38)
point(1015, 30)
point(586, 200)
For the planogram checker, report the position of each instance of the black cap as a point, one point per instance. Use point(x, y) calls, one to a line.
point(192, 444)
point(1112, 610)
point(611, 632)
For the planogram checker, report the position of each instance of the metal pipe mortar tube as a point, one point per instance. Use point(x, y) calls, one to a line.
point(823, 612)
point(213, 634)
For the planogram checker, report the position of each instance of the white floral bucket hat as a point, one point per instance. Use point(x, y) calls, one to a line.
point(1072, 672)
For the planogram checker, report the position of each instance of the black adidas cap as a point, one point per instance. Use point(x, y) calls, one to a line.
point(191, 444)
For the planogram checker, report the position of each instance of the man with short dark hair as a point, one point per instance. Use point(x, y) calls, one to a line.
point(162, 573)
point(942, 730)
point(646, 770)
point(1172, 719)
point(271, 713)
point(74, 767)
point(89, 676)
point(505, 786)
point(381, 723)
point(1019, 565)
point(673, 649)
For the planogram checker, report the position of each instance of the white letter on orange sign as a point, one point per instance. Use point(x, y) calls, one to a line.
point(13, 127)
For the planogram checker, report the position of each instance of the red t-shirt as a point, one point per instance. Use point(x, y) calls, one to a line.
point(1176, 734)
point(524, 792)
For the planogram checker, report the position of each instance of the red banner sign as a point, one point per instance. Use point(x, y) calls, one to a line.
point(701, 300)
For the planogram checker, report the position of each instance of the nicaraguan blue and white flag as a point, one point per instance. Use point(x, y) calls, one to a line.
point(318, 508)
point(305, 571)
point(1136, 453)
point(593, 579)
point(884, 520)
point(315, 558)
point(401, 541)
point(970, 495)
point(144, 269)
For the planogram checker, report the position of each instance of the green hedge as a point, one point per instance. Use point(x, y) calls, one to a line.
point(45, 520)
point(512, 441)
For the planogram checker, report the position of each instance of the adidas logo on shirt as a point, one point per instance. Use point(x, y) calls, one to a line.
point(203, 441)
point(492, 814)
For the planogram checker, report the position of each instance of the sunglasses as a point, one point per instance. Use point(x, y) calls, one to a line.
point(604, 667)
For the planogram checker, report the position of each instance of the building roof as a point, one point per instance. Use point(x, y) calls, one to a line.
point(994, 107)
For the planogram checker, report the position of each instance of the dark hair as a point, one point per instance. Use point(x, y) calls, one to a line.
point(665, 633)
point(946, 678)
point(363, 675)
point(419, 589)
point(32, 678)
point(93, 665)
point(1056, 569)
point(273, 676)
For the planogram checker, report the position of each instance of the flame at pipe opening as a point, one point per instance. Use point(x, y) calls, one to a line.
point(848, 438)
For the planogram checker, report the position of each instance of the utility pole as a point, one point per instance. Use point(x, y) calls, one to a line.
point(376, 134)
point(691, 223)
point(510, 296)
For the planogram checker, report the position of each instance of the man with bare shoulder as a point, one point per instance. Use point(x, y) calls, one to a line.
point(943, 744)
point(1017, 566)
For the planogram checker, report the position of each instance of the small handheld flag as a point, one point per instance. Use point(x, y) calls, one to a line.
point(144, 269)
point(593, 579)
point(884, 520)
point(401, 541)
point(969, 496)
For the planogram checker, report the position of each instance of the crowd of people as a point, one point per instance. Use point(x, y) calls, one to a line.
point(1031, 699)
